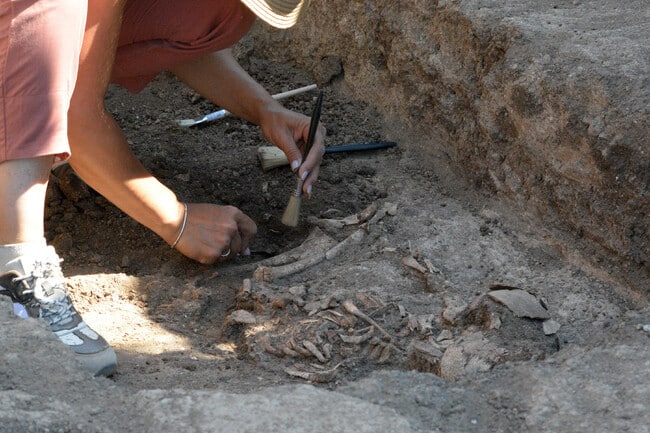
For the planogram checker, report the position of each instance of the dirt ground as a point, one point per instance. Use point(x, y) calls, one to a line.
point(418, 260)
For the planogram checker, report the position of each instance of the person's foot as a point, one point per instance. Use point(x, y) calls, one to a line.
point(41, 292)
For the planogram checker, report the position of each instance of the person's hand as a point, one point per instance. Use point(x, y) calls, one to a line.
point(215, 233)
point(289, 130)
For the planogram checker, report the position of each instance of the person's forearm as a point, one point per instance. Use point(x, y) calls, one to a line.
point(219, 78)
point(100, 153)
point(103, 159)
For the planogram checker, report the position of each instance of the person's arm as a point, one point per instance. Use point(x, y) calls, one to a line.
point(219, 78)
point(102, 157)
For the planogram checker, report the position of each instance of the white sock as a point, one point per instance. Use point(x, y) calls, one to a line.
point(10, 252)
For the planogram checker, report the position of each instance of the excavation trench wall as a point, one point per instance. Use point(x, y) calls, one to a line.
point(544, 103)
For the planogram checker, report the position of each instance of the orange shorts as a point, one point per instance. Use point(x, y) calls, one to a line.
point(39, 58)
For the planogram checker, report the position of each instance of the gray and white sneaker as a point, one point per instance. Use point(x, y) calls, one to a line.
point(40, 292)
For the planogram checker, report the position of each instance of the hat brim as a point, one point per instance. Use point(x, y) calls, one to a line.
point(281, 14)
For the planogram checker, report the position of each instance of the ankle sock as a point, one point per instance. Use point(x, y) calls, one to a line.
point(10, 252)
point(10, 260)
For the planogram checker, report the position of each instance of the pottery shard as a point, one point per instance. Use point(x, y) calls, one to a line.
point(521, 303)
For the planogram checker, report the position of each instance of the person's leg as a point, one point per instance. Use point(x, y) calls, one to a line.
point(22, 191)
point(38, 63)
point(26, 150)
point(23, 183)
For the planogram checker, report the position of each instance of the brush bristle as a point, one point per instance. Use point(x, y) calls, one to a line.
point(271, 157)
point(268, 164)
point(292, 212)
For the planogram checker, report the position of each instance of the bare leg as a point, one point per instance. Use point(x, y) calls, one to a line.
point(23, 183)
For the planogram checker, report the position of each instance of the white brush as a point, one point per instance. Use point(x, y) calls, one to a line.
point(216, 115)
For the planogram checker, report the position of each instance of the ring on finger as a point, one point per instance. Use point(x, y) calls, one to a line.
point(226, 254)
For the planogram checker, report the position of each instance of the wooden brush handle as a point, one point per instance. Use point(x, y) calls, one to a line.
point(313, 126)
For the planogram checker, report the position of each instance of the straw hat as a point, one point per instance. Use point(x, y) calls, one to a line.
point(278, 13)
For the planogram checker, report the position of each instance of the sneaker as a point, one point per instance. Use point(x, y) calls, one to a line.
point(41, 293)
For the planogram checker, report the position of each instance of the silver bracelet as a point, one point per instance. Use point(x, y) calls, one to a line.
point(180, 233)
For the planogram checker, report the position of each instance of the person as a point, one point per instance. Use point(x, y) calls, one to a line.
point(54, 83)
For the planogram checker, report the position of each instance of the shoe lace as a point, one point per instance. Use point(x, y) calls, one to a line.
point(47, 285)
point(23, 296)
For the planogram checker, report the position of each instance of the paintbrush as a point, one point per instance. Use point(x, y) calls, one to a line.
point(272, 157)
point(292, 212)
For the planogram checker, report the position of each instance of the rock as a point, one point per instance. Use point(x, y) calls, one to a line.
point(551, 327)
point(445, 334)
point(452, 363)
point(242, 317)
point(469, 355)
point(425, 357)
point(452, 314)
point(70, 183)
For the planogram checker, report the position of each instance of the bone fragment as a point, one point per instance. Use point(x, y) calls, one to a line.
point(327, 351)
point(266, 345)
point(385, 354)
point(350, 220)
point(323, 376)
point(413, 264)
point(367, 213)
point(386, 208)
point(314, 351)
point(320, 305)
point(358, 339)
point(370, 300)
point(289, 352)
point(263, 273)
point(375, 353)
point(341, 320)
point(354, 238)
point(298, 348)
point(326, 223)
point(337, 224)
point(315, 242)
point(412, 322)
point(247, 286)
point(270, 273)
point(431, 268)
point(352, 309)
